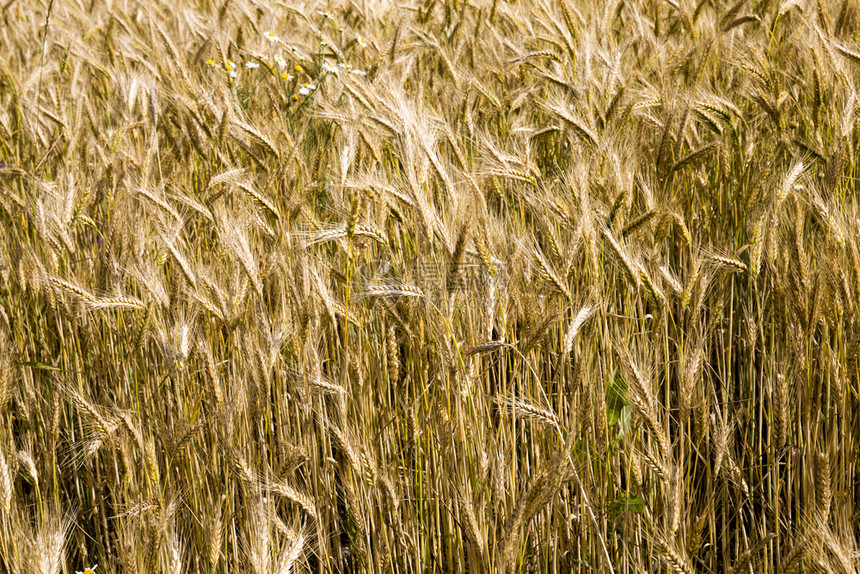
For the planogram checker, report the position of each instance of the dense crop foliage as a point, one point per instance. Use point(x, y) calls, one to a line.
point(440, 286)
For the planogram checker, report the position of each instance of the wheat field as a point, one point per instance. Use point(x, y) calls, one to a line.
point(440, 286)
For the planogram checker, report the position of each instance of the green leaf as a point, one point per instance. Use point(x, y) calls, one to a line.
point(626, 420)
point(616, 401)
point(627, 502)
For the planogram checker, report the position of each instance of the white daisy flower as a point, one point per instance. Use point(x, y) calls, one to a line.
point(323, 42)
point(361, 42)
point(359, 72)
point(329, 68)
point(280, 62)
point(88, 570)
point(306, 89)
point(234, 74)
point(252, 65)
point(272, 37)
